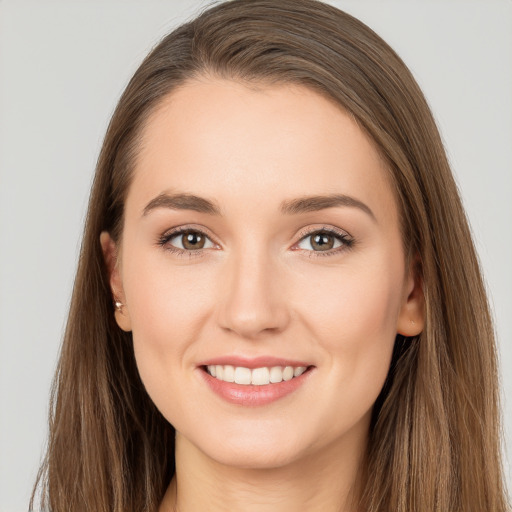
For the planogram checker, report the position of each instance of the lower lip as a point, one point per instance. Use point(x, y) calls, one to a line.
point(251, 395)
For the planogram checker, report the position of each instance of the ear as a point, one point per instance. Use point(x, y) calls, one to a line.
point(411, 318)
point(110, 255)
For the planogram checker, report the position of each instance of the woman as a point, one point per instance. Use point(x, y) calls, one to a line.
point(278, 301)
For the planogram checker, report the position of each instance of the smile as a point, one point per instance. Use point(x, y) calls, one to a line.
point(256, 376)
point(254, 382)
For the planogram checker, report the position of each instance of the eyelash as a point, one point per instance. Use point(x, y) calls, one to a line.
point(346, 240)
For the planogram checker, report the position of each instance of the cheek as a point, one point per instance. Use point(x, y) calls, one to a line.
point(166, 304)
point(350, 306)
point(353, 314)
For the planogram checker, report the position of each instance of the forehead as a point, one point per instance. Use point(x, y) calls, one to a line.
point(257, 145)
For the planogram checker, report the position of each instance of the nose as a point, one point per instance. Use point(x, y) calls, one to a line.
point(252, 301)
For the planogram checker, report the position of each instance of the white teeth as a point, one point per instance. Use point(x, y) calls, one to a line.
point(229, 373)
point(276, 374)
point(257, 376)
point(242, 375)
point(288, 373)
point(299, 371)
point(260, 376)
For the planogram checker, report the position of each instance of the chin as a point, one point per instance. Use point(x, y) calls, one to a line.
point(251, 451)
point(255, 458)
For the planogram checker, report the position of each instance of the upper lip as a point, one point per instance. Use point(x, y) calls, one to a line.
point(253, 362)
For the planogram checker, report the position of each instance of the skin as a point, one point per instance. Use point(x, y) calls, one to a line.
point(259, 287)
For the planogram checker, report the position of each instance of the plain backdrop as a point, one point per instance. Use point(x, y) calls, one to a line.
point(63, 65)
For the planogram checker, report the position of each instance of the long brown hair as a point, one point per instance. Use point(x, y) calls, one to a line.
point(434, 439)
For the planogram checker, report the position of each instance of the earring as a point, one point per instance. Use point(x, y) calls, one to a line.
point(119, 305)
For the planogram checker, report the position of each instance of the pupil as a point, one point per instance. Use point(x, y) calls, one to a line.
point(323, 242)
point(193, 241)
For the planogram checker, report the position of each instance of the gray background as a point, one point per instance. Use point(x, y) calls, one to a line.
point(63, 65)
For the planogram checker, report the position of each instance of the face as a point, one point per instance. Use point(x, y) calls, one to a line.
point(261, 240)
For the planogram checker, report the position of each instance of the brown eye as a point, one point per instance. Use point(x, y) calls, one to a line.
point(193, 240)
point(187, 240)
point(324, 241)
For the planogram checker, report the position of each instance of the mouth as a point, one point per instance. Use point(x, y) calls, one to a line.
point(255, 383)
point(254, 376)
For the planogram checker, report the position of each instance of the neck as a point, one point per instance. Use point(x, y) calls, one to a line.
point(326, 481)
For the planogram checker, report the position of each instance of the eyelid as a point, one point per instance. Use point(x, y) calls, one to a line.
point(323, 228)
point(169, 234)
point(346, 239)
point(188, 227)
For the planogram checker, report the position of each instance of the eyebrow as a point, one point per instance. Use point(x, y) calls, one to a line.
point(316, 203)
point(183, 201)
point(305, 204)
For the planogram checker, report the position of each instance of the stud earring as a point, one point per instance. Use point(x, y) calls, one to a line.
point(119, 305)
